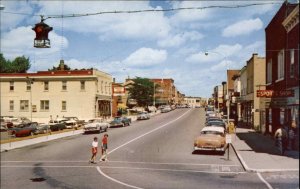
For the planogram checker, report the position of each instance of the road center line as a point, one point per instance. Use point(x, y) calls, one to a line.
point(264, 181)
point(149, 132)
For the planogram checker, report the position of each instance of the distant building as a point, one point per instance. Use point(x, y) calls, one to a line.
point(193, 101)
point(48, 95)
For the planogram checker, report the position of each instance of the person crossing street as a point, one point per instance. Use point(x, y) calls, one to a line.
point(104, 148)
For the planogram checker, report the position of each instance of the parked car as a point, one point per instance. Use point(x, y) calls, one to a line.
point(166, 109)
point(78, 121)
point(58, 124)
point(211, 138)
point(213, 118)
point(120, 122)
point(96, 125)
point(23, 130)
point(143, 116)
point(71, 124)
point(217, 123)
point(3, 127)
point(42, 129)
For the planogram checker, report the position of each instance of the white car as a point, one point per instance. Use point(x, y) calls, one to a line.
point(143, 115)
point(96, 125)
point(71, 124)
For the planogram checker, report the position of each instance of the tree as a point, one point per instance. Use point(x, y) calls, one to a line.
point(142, 91)
point(66, 67)
point(18, 65)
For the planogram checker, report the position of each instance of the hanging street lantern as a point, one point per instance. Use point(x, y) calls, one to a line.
point(41, 34)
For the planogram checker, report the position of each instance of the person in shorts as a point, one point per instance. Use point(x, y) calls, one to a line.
point(94, 150)
point(104, 148)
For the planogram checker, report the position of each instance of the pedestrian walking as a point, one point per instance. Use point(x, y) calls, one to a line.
point(94, 149)
point(291, 139)
point(104, 148)
point(281, 139)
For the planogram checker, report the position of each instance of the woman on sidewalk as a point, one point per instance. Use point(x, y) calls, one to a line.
point(281, 139)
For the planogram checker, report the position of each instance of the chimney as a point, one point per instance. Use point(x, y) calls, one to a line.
point(61, 65)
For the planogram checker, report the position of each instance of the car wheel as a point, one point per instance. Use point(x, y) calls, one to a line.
point(100, 129)
point(31, 133)
point(105, 129)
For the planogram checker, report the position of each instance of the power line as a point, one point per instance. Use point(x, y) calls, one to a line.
point(147, 10)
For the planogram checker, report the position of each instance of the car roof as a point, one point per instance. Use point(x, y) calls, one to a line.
point(213, 128)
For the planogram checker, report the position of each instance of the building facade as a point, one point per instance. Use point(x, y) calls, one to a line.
point(49, 95)
point(282, 72)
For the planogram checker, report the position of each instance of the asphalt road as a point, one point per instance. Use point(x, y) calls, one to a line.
point(150, 154)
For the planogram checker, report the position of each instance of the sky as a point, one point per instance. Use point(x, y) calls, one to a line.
point(160, 44)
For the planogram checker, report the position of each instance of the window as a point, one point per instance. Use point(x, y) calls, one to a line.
point(44, 105)
point(11, 105)
point(11, 86)
point(28, 86)
point(292, 65)
point(82, 85)
point(63, 105)
point(46, 85)
point(24, 105)
point(280, 67)
point(64, 85)
point(269, 71)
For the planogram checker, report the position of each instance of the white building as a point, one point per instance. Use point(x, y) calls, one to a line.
point(193, 101)
point(48, 95)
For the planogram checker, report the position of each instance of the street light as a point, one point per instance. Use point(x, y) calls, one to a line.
point(30, 81)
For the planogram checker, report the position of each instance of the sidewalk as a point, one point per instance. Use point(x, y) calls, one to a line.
point(258, 153)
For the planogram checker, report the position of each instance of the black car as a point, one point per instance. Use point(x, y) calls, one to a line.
point(120, 122)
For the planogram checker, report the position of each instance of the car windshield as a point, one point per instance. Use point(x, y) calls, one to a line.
point(216, 123)
point(211, 133)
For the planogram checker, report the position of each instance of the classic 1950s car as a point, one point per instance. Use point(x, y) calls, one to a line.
point(211, 138)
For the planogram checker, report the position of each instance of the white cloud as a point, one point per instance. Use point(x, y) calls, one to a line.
point(109, 26)
point(19, 42)
point(190, 15)
point(219, 53)
point(146, 57)
point(243, 27)
point(179, 39)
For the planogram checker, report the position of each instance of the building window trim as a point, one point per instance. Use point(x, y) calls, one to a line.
point(11, 86)
point(63, 106)
point(24, 105)
point(11, 105)
point(278, 80)
point(64, 86)
point(280, 65)
point(46, 86)
point(44, 105)
point(82, 85)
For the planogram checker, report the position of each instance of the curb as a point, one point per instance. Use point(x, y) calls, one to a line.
point(19, 144)
point(245, 167)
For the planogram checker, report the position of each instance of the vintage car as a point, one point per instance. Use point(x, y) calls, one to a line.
point(78, 121)
point(71, 124)
point(143, 116)
point(166, 109)
point(216, 123)
point(23, 130)
point(211, 138)
point(42, 129)
point(58, 124)
point(120, 122)
point(96, 125)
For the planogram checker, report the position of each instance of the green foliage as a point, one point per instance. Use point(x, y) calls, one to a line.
point(142, 90)
point(18, 65)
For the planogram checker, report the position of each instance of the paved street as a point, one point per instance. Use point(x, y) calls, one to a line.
point(157, 153)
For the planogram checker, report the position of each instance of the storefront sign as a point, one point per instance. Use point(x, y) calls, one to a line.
point(275, 94)
point(118, 91)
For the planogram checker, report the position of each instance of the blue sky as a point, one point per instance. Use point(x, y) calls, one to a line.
point(147, 44)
